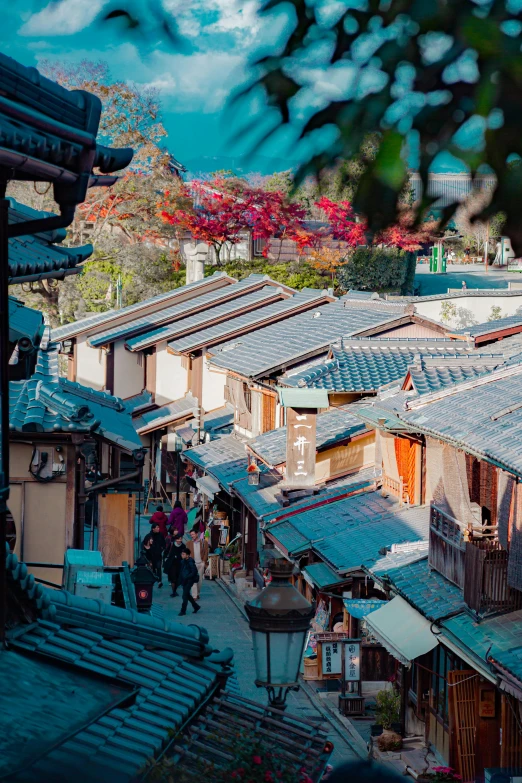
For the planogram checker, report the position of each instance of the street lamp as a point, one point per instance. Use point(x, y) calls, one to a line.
point(279, 619)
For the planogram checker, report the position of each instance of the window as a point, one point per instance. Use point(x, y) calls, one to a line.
point(443, 662)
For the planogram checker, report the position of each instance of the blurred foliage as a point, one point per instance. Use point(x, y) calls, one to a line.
point(296, 274)
point(425, 72)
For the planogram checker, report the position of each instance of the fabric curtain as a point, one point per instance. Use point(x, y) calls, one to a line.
point(389, 457)
point(447, 481)
point(236, 396)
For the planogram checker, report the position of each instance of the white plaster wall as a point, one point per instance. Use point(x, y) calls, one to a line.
point(129, 375)
point(90, 364)
point(214, 382)
point(479, 306)
point(171, 377)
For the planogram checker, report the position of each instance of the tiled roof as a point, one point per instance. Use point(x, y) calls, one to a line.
point(399, 559)
point(48, 403)
point(249, 321)
point(284, 344)
point(166, 414)
point(479, 330)
point(351, 533)
point(49, 133)
point(224, 459)
point(332, 427)
point(353, 548)
point(189, 328)
point(366, 365)
point(426, 589)
point(321, 575)
point(501, 637)
point(264, 498)
point(24, 322)
point(426, 379)
point(157, 326)
point(494, 429)
point(169, 666)
point(100, 319)
point(39, 254)
point(220, 421)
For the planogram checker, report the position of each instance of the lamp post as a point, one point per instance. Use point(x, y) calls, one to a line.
point(279, 619)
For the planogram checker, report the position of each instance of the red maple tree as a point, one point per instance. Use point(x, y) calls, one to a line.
point(222, 211)
point(344, 227)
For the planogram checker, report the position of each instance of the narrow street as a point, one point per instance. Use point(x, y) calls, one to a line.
point(228, 628)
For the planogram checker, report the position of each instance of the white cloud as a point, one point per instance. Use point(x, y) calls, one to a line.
point(63, 17)
point(198, 82)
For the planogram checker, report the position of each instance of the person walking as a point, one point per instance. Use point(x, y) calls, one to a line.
point(172, 565)
point(187, 578)
point(198, 550)
point(153, 548)
point(160, 518)
point(178, 518)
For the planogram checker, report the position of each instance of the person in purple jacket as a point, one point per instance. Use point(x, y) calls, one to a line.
point(178, 518)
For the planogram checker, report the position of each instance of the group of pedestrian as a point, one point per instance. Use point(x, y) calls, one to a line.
point(184, 562)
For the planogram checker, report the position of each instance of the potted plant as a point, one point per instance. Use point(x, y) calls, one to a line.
point(388, 705)
point(387, 716)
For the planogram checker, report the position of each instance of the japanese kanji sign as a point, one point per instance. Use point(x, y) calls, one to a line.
point(352, 661)
point(300, 447)
point(332, 662)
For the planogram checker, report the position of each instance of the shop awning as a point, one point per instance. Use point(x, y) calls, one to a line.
point(362, 607)
point(208, 486)
point(402, 630)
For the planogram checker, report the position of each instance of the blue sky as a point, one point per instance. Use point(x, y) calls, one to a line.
point(219, 37)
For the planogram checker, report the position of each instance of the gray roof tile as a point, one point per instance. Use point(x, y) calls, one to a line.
point(480, 330)
point(284, 344)
point(350, 533)
point(100, 319)
point(264, 498)
point(425, 589)
point(332, 427)
point(365, 365)
point(224, 459)
point(166, 414)
point(48, 403)
point(152, 328)
point(39, 253)
point(492, 432)
point(248, 321)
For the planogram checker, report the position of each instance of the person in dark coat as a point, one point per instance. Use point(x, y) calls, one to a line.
point(153, 548)
point(178, 518)
point(188, 576)
point(172, 565)
point(160, 518)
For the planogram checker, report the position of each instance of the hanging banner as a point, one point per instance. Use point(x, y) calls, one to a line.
point(361, 607)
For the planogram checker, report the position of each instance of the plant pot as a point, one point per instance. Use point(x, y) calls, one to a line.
point(376, 730)
point(225, 567)
point(397, 728)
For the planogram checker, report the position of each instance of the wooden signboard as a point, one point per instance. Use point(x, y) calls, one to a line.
point(116, 522)
point(330, 655)
point(300, 447)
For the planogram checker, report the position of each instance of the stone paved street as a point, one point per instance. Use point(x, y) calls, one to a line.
point(228, 628)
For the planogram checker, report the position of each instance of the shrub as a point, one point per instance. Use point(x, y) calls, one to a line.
point(381, 269)
point(388, 706)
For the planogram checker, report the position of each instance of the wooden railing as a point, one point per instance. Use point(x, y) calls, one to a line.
point(486, 588)
point(393, 487)
point(447, 552)
point(471, 557)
